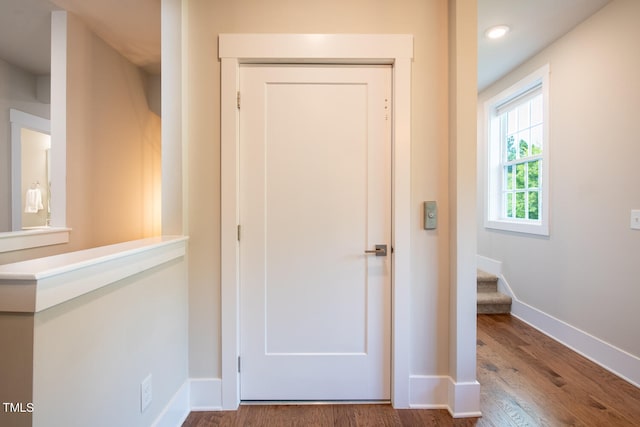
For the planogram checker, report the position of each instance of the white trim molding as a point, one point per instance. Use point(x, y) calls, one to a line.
point(195, 394)
point(394, 49)
point(34, 238)
point(36, 285)
point(615, 360)
point(611, 358)
point(464, 399)
point(442, 392)
point(177, 410)
point(206, 394)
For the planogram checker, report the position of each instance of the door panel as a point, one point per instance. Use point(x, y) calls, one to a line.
point(315, 157)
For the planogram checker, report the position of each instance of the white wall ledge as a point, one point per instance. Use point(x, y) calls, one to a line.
point(35, 285)
point(33, 238)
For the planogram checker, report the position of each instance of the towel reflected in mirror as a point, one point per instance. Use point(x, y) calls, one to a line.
point(33, 199)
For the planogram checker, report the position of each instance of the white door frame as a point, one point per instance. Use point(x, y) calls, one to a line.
point(394, 49)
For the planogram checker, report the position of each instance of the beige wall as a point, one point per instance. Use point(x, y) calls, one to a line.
point(81, 362)
point(427, 21)
point(90, 354)
point(113, 145)
point(113, 149)
point(16, 366)
point(586, 272)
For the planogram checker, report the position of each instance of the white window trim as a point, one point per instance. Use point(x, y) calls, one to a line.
point(492, 199)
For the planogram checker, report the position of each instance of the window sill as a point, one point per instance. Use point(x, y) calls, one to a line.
point(535, 228)
point(33, 238)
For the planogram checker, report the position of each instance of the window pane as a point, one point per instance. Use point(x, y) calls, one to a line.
point(520, 206)
point(511, 148)
point(536, 140)
point(534, 171)
point(524, 118)
point(509, 204)
point(523, 143)
point(536, 110)
point(520, 176)
point(509, 178)
point(534, 206)
point(512, 121)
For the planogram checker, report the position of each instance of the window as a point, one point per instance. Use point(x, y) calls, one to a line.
point(517, 194)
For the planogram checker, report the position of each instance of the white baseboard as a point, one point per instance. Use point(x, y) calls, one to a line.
point(196, 394)
point(426, 392)
point(464, 399)
point(177, 410)
point(441, 392)
point(206, 394)
point(611, 358)
point(489, 265)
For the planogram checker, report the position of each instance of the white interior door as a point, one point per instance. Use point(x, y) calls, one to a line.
point(315, 193)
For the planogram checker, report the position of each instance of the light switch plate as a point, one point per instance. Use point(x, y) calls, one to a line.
point(635, 219)
point(430, 215)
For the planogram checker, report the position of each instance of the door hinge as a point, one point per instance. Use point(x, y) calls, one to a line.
point(238, 364)
point(238, 232)
point(238, 100)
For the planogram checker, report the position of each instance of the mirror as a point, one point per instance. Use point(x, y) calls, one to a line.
point(30, 171)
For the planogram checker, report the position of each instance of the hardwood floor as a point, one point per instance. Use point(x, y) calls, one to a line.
point(325, 415)
point(530, 379)
point(527, 379)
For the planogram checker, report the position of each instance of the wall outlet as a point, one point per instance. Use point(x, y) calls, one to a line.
point(146, 393)
point(635, 219)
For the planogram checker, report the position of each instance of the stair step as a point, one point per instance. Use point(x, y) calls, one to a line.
point(490, 301)
point(487, 282)
point(493, 303)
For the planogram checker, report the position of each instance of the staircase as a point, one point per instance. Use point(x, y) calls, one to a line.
point(490, 301)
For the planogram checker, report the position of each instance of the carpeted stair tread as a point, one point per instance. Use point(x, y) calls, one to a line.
point(487, 282)
point(490, 301)
point(483, 276)
point(493, 298)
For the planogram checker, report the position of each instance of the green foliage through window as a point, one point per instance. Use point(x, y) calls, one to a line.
point(522, 160)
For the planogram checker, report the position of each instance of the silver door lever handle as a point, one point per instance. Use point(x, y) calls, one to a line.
point(380, 250)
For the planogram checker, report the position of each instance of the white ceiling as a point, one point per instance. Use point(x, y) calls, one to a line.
point(534, 25)
point(133, 28)
point(130, 26)
point(25, 30)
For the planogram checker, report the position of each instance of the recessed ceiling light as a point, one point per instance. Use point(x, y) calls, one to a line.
point(496, 32)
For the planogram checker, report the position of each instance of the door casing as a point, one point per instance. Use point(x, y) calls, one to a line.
point(393, 49)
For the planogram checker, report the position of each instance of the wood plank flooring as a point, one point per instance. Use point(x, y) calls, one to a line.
point(527, 379)
point(530, 379)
